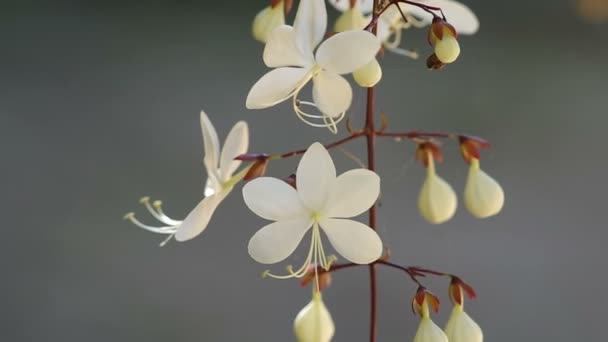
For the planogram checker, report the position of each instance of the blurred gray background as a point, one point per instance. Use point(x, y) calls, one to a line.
point(99, 104)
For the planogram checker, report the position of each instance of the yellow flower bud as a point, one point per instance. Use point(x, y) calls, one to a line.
point(437, 200)
point(483, 196)
point(267, 20)
point(352, 19)
point(314, 323)
point(368, 75)
point(447, 49)
point(462, 328)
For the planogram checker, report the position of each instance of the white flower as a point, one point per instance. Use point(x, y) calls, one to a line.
point(291, 51)
point(437, 200)
point(428, 331)
point(314, 323)
point(321, 201)
point(483, 196)
point(267, 20)
point(220, 168)
point(461, 328)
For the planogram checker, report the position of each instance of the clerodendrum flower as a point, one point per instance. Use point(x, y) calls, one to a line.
point(314, 323)
point(291, 50)
point(268, 19)
point(483, 196)
point(437, 200)
point(321, 201)
point(220, 168)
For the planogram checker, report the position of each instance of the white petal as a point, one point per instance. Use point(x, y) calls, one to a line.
point(275, 87)
point(483, 196)
point(196, 222)
point(310, 25)
point(457, 14)
point(315, 175)
point(236, 144)
point(428, 331)
point(364, 6)
point(211, 145)
point(461, 328)
point(331, 93)
point(281, 49)
point(352, 193)
point(273, 199)
point(276, 241)
point(437, 200)
point(347, 51)
point(353, 240)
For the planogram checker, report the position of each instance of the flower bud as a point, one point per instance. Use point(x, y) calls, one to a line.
point(314, 323)
point(428, 331)
point(462, 328)
point(351, 19)
point(368, 75)
point(437, 200)
point(267, 20)
point(483, 196)
point(442, 36)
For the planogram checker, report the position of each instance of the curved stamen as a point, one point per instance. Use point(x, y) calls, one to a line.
point(328, 122)
point(156, 212)
point(159, 230)
point(165, 219)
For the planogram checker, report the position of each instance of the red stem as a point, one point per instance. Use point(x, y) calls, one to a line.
point(328, 146)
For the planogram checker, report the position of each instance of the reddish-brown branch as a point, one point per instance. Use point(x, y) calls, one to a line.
point(426, 8)
point(328, 146)
point(416, 135)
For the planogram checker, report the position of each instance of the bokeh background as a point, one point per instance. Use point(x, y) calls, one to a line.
point(99, 104)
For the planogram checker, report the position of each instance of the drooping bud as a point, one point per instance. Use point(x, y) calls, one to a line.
point(368, 75)
point(442, 36)
point(268, 19)
point(314, 323)
point(460, 326)
point(483, 196)
point(427, 331)
point(351, 19)
point(437, 201)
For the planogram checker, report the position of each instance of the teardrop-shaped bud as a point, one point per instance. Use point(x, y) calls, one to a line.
point(368, 75)
point(462, 328)
point(428, 331)
point(267, 20)
point(437, 201)
point(442, 36)
point(351, 19)
point(314, 323)
point(483, 196)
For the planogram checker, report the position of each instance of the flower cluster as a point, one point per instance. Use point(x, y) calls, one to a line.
point(316, 205)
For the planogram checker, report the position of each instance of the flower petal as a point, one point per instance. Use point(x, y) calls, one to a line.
point(275, 87)
point(315, 175)
point(310, 25)
point(331, 93)
point(352, 193)
point(353, 240)
point(281, 49)
point(211, 145)
point(276, 241)
point(273, 199)
point(457, 14)
point(196, 222)
point(236, 144)
point(347, 51)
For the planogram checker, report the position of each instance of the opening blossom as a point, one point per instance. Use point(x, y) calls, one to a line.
point(268, 19)
point(322, 201)
point(291, 50)
point(314, 323)
point(220, 167)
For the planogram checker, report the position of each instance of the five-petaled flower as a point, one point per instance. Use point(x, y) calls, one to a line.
point(291, 50)
point(220, 168)
point(321, 201)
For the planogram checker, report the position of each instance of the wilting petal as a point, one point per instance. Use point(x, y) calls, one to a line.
point(353, 240)
point(236, 144)
point(364, 6)
point(276, 241)
point(314, 323)
point(211, 145)
point(462, 328)
point(275, 87)
point(281, 49)
point(196, 222)
point(352, 193)
point(315, 175)
point(331, 93)
point(310, 25)
point(347, 51)
point(458, 15)
point(273, 199)
point(428, 331)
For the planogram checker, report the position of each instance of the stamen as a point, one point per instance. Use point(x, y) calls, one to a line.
point(309, 119)
point(167, 219)
point(156, 211)
point(159, 230)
